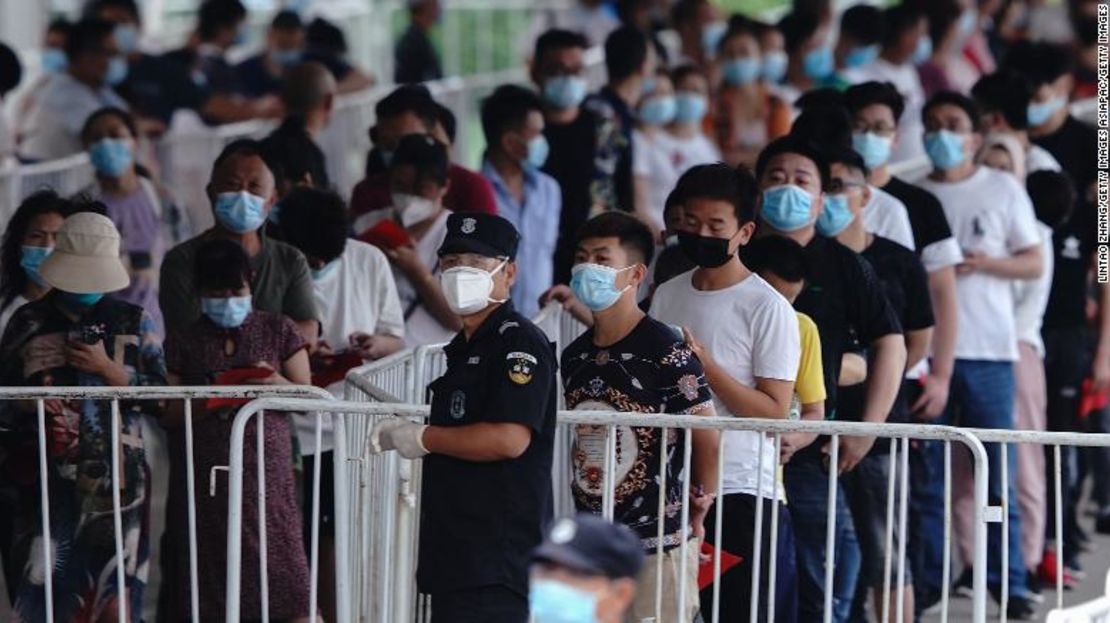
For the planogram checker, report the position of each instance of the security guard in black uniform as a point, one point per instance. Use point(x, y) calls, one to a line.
point(486, 493)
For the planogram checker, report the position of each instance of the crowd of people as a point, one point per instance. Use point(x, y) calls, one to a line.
point(726, 216)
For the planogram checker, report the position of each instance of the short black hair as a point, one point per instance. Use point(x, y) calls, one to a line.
point(626, 51)
point(287, 20)
point(241, 147)
point(685, 11)
point(324, 37)
point(792, 144)
point(215, 15)
point(11, 71)
point(409, 98)
point(87, 35)
point(1042, 63)
point(898, 19)
point(93, 9)
point(720, 182)
point(1005, 92)
point(221, 264)
point(315, 222)
point(427, 155)
point(824, 97)
point(860, 96)
point(445, 117)
point(680, 73)
point(864, 23)
point(630, 231)
point(109, 111)
point(847, 157)
point(507, 110)
point(13, 279)
point(1053, 196)
point(826, 126)
point(777, 255)
point(954, 99)
point(290, 153)
point(60, 25)
point(797, 28)
point(558, 39)
point(942, 15)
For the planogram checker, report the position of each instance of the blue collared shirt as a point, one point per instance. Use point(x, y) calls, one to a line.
point(537, 220)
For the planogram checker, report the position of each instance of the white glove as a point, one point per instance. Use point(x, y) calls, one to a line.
point(400, 435)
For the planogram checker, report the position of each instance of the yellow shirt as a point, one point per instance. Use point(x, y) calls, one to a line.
point(810, 384)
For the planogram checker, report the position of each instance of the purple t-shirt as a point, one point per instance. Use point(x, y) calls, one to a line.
point(142, 246)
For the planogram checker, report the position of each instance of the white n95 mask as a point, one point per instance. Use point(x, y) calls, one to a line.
point(467, 289)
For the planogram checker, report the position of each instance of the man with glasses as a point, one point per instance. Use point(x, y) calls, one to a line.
point(488, 445)
point(993, 220)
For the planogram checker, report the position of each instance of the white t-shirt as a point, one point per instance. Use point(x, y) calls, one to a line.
point(54, 124)
point(1040, 159)
point(651, 160)
point(906, 79)
point(990, 213)
point(691, 151)
point(885, 215)
point(752, 331)
point(421, 327)
point(1031, 296)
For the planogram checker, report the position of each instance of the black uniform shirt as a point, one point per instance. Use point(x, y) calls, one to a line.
point(480, 521)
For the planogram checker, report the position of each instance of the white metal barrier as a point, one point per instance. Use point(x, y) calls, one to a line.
point(400, 605)
point(116, 396)
point(1095, 611)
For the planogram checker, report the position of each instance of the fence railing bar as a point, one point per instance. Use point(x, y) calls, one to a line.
point(263, 547)
point(757, 536)
point(888, 533)
point(946, 560)
point(659, 531)
point(1057, 470)
point(117, 516)
point(903, 526)
point(1004, 478)
point(314, 548)
point(44, 511)
point(830, 525)
point(718, 527)
point(772, 564)
point(684, 565)
point(191, 505)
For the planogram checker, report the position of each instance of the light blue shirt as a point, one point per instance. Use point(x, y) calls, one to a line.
point(59, 112)
point(537, 221)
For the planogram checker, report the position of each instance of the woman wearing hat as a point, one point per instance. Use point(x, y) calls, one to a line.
point(75, 336)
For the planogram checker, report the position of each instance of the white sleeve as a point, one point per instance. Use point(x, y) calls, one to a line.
point(641, 164)
point(391, 318)
point(941, 254)
point(777, 350)
point(1023, 232)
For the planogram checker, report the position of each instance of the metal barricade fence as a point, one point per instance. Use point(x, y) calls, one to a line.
point(117, 395)
point(398, 605)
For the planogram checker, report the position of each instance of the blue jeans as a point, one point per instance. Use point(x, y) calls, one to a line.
point(981, 396)
point(807, 493)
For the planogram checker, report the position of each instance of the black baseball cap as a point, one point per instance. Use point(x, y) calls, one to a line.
point(484, 234)
point(591, 545)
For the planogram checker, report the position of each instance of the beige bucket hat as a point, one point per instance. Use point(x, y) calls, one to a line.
point(86, 257)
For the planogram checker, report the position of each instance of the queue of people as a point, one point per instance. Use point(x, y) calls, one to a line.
point(723, 215)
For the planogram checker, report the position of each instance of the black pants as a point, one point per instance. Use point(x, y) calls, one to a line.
point(483, 604)
point(1067, 362)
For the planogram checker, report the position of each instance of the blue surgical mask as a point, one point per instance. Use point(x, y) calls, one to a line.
point(965, 26)
point(874, 149)
point(945, 149)
point(325, 270)
point(117, 70)
point(1039, 113)
point(658, 110)
point(81, 300)
point(787, 207)
point(387, 156)
point(711, 37)
point(275, 214)
point(690, 107)
point(819, 62)
point(595, 285)
point(240, 36)
point(555, 602)
point(538, 150)
point(563, 92)
point(647, 84)
point(227, 313)
point(111, 157)
point(127, 38)
point(923, 50)
point(835, 217)
point(774, 66)
point(31, 258)
point(861, 56)
point(740, 71)
point(240, 212)
point(285, 58)
point(54, 60)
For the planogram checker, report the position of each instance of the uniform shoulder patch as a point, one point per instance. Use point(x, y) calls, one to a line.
point(505, 326)
point(521, 367)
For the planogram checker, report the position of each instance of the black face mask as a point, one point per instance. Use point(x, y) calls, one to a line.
point(705, 251)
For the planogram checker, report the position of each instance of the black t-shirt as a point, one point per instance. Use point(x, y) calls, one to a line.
point(480, 521)
point(907, 289)
point(1074, 146)
point(845, 298)
point(651, 370)
point(926, 215)
point(255, 76)
point(571, 161)
point(157, 87)
point(415, 58)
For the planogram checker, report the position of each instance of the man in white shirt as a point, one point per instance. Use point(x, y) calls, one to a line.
point(95, 64)
point(360, 321)
point(906, 38)
point(992, 218)
point(746, 336)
